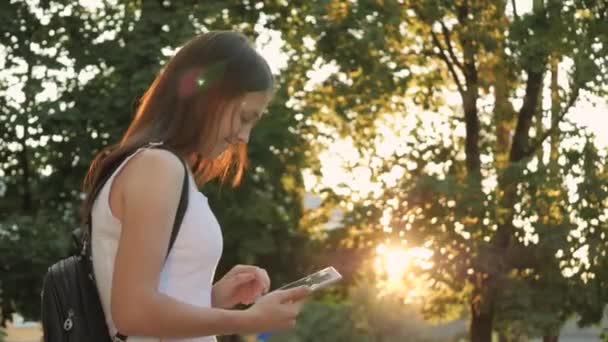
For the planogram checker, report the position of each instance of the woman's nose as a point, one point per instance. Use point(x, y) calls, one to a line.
point(244, 136)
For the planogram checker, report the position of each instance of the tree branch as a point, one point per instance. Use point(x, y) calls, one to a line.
point(448, 41)
point(470, 95)
point(524, 119)
point(462, 12)
point(515, 15)
point(555, 124)
point(469, 68)
point(448, 62)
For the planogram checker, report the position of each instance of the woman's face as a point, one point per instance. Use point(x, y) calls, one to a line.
point(239, 119)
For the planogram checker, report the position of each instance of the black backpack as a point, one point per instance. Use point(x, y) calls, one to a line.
point(71, 308)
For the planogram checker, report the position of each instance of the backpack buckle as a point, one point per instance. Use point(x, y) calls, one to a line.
point(85, 242)
point(69, 323)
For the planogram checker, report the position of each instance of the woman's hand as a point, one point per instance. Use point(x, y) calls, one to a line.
point(243, 284)
point(277, 310)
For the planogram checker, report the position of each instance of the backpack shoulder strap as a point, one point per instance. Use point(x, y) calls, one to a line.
point(182, 206)
point(179, 215)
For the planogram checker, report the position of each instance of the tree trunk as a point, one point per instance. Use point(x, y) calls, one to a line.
point(555, 113)
point(469, 99)
point(6, 314)
point(539, 128)
point(482, 308)
point(27, 206)
point(481, 325)
point(504, 114)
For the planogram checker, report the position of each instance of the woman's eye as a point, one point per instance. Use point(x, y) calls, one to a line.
point(247, 119)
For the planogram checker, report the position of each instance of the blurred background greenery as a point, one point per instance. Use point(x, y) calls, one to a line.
point(449, 157)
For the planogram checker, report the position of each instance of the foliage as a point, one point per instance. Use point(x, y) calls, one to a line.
point(363, 317)
point(75, 74)
point(25, 255)
point(484, 166)
point(476, 188)
point(320, 321)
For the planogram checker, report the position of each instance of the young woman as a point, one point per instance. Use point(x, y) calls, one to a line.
point(203, 106)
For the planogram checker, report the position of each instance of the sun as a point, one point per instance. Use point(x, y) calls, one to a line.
point(393, 262)
point(397, 268)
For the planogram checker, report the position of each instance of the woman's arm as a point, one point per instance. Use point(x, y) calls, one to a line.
point(149, 193)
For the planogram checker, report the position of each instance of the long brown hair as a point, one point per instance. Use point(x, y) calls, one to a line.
point(183, 108)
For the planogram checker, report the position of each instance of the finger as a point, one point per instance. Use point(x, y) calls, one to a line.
point(293, 295)
point(240, 269)
point(297, 306)
point(243, 278)
point(259, 283)
point(267, 280)
point(264, 279)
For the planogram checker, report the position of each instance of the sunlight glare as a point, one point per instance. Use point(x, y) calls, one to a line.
point(396, 268)
point(396, 261)
point(393, 262)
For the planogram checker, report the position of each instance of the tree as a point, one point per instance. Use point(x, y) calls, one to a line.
point(94, 62)
point(465, 196)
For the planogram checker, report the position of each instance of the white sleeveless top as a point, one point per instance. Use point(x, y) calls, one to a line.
point(188, 272)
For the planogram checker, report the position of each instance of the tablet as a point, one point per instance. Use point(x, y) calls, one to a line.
point(317, 280)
